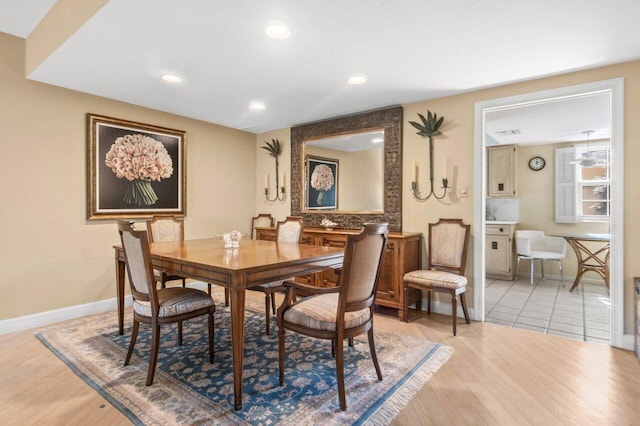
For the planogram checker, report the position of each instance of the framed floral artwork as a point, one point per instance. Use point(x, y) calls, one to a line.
point(322, 186)
point(135, 170)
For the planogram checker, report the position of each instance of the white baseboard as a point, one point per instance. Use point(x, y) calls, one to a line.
point(444, 308)
point(49, 317)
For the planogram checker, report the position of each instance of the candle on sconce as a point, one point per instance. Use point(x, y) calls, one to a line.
point(266, 181)
point(415, 171)
point(444, 167)
point(282, 184)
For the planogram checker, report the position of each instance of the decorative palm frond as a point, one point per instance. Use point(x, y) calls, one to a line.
point(273, 148)
point(429, 126)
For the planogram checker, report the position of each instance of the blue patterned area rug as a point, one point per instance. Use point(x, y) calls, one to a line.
point(189, 390)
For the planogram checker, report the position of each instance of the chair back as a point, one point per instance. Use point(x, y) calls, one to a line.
point(290, 230)
point(528, 241)
point(361, 267)
point(165, 228)
point(263, 220)
point(448, 243)
point(138, 258)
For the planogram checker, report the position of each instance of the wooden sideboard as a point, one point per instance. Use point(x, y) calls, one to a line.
point(403, 254)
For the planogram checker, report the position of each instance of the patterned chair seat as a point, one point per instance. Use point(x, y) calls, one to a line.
point(440, 279)
point(175, 301)
point(320, 313)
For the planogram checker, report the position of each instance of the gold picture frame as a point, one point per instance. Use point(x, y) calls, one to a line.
point(135, 170)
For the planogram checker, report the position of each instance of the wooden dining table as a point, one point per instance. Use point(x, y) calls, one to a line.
point(254, 262)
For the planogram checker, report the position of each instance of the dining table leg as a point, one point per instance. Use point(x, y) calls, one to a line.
point(237, 342)
point(120, 268)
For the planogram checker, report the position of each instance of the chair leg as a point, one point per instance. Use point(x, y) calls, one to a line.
point(226, 297)
point(211, 335)
point(531, 263)
point(184, 283)
point(517, 267)
point(273, 303)
point(333, 348)
point(428, 302)
point(134, 336)
point(405, 303)
point(340, 373)
point(463, 302)
point(542, 267)
point(155, 345)
point(561, 272)
point(267, 311)
point(180, 333)
point(209, 289)
point(454, 311)
point(374, 357)
point(350, 342)
point(281, 355)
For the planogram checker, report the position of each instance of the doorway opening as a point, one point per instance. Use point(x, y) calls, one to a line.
point(488, 113)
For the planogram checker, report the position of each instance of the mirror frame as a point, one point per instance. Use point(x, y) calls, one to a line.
point(391, 120)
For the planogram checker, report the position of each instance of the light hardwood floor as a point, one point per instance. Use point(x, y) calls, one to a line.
point(496, 376)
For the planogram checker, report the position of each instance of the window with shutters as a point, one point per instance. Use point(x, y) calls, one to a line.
point(583, 187)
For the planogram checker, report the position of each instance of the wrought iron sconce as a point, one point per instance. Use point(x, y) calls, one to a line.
point(429, 128)
point(274, 150)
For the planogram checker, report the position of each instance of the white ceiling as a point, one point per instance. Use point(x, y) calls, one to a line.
point(554, 121)
point(411, 50)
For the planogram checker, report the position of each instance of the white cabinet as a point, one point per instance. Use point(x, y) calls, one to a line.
point(501, 171)
point(499, 251)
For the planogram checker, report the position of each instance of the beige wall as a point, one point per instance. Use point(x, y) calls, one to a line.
point(52, 256)
point(536, 195)
point(360, 177)
point(265, 164)
point(457, 144)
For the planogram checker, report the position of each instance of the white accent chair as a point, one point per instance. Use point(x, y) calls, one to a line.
point(532, 245)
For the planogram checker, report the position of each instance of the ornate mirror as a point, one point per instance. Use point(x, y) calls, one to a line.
point(349, 169)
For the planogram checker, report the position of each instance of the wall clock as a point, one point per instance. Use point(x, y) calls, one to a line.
point(536, 163)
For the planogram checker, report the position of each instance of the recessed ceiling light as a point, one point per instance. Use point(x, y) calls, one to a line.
point(377, 140)
point(256, 105)
point(277, 30)
point(356, 79)
point(171, 78)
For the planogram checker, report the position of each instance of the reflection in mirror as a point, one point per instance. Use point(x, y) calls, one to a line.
point(345, 216)
point(345, 172)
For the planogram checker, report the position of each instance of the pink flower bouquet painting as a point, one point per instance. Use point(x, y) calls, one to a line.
point(135, 170)
point(322, 183)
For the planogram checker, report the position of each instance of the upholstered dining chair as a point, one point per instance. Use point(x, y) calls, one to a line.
point(166, 228)
point(287, 231)
point(341, 312)
point(446, 260)
point(532, 245)
point(158, 306)
point(263, 220)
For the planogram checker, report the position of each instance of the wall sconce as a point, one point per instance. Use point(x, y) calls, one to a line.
point(274, 151)
point(429, 128)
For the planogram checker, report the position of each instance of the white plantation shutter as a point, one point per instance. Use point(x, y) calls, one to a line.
point(565, 186)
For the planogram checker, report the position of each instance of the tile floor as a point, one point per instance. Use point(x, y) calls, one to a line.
point(547, 307)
